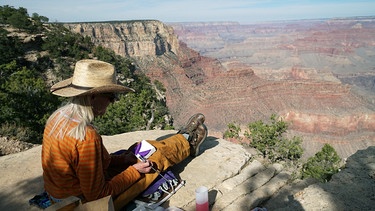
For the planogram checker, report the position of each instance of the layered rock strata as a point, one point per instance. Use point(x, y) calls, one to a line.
point(318, 106)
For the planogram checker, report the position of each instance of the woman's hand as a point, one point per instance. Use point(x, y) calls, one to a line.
point(143, 167)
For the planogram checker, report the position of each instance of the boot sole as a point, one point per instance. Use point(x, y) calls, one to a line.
point(204, 138)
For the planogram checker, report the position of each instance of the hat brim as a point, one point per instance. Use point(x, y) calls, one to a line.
point(66, 89)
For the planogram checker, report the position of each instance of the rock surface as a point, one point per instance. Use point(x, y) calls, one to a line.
point(143, 38)
point(353, 188)
point(236, 180)
point(10, 146)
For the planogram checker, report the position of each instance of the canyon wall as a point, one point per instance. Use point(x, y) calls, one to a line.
point(234, 84)
point(133, 38)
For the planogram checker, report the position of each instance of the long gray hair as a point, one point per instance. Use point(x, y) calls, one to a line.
point(78, 110)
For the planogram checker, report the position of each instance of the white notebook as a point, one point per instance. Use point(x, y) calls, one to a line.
point(144, 150)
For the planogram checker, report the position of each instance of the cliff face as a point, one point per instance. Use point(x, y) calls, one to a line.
point(133, 38)
point(319, 107)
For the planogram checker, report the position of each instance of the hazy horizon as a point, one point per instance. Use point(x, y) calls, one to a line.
point(242, 11)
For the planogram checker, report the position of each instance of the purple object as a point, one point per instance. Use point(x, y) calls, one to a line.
point(168, 175)
point(141, 153)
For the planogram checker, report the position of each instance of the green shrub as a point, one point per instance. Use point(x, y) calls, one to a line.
point(25, 102)
point(62, 43)
point(288, 149)
point(269, 140)
point(19, 18)
point(233, 131)
point(134, 111)
point(9, 48)
point(322, 165)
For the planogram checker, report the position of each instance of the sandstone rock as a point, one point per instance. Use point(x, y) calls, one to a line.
point(22, 172)
point(350, 189)
point(130, 38)
point(235, 181)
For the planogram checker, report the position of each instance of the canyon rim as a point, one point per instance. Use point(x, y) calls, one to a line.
point(316, 74)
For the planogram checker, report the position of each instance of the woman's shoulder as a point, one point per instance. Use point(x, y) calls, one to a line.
point(92, 132)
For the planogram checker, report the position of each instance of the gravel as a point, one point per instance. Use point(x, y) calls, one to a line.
point(10, 146)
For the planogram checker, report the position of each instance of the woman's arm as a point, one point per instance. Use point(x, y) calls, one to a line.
point(127, 158)
point(90, 170)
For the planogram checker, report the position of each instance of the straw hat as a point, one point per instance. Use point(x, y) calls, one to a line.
point(90, 77)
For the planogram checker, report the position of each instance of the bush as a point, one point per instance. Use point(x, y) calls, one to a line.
point(19, 18)
point(10, 48)
point(232, 131)
point(322, 165)
point(268, 139)
point(62, 43)
point(142, 110)
point(25, 102)
point(288, 149)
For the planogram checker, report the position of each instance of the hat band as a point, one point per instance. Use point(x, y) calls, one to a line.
point(72, 85)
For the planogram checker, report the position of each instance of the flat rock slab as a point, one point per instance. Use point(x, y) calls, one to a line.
point(21, 173)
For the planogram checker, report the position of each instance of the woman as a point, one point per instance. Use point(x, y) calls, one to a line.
point(74, 159)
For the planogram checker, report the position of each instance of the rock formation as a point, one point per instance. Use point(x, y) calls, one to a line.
point(132, 38)
point(256, 72)
point(237, 179)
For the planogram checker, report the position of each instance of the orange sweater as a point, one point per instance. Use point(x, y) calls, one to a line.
point(75, 168)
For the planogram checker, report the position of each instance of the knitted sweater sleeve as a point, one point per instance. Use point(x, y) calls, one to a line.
point(91, 156)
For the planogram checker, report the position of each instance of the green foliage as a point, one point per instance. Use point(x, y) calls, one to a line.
point(265, 136)
point(9, 48)
point(134, 111)
point(25, 100)
point(268, 139)
point(62, 43)
point(322, 165)
point(233, 131)
point(104, 54)
point(159, 86)
point(288, 149)
point(38, 21)
point(19, 18)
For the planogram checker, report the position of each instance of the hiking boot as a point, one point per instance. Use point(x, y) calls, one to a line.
point(197, 132)
point(196, 139)
point(192, 124)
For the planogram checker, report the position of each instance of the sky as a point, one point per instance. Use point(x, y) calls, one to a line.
point(242, 11)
